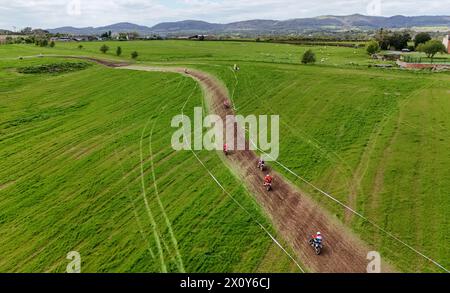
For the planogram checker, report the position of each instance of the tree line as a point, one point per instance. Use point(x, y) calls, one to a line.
point(38, 40)
point(105, 48)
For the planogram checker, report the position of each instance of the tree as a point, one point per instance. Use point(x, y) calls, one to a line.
point(134, 54)
point(42, 43)
point(106, 35)
point(52, 44)
point(26, 31)
point(388, 40)
point(309, 57)
point(399, 40)
point(30, 40)
point(421, 38)
point(123, 36)
point(119, 51)
point(80, 47)
point(133, 35)
point(373, 48)
point(19, 40)
point(431, 48)
point(382, 37)
point(104, 49)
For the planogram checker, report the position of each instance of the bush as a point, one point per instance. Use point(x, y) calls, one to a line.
point(134, 55)
point(309, 57)
point(119, 51)
point(431, 48)
point(52, 44)
point(54, 67)
point(29, 40)
point(19, 40)
point(41, 43)
point(9, 40)
point(104, 49)
point(373, 48)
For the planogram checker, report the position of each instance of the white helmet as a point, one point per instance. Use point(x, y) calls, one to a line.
point(318, 233)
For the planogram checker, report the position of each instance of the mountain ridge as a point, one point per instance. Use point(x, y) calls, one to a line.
point(255, 26)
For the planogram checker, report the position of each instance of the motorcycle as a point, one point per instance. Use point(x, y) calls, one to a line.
point(261, 166)
point(318, 246)
point(268, 186)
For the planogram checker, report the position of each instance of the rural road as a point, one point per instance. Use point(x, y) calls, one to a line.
point(294, 214)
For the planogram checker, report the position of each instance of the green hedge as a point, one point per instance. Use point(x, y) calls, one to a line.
point(54, 67)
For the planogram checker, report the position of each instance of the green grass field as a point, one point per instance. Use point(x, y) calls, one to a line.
point(71, 179)
point(207, 52)
point(375, 139)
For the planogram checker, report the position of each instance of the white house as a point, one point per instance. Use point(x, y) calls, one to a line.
point(446, 42)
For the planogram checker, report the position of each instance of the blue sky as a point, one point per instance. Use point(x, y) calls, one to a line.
point(55, 13)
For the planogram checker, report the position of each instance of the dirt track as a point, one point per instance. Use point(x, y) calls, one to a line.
point(293, 213)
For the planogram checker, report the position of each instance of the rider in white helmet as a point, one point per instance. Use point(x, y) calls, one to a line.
point(318, 238)
point(261, 162)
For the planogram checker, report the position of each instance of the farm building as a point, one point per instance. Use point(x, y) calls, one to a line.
point(446, 42)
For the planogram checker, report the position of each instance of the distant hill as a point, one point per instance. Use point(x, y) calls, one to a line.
point(124, 27)
point(115, 28)
point(5, 32)
point(329, 23)
point(186, 26)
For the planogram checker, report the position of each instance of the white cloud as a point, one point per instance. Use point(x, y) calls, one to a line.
point(53, 13)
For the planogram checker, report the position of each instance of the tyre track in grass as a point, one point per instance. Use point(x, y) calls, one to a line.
point(365, 159)
point(179, 259)
point(156, 234)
